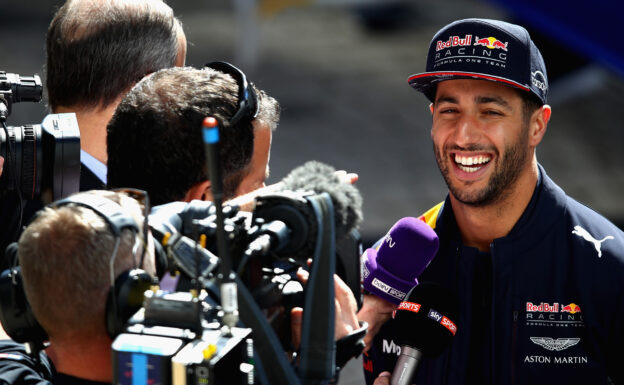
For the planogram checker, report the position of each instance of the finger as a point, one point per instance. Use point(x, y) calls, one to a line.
point(374, 311)
point(296, 319)
point(340, 286)
point(303, 275)
point(1, 164)
point(346, 309)
point(383, 379)
point(346, 177)
point(352, 177)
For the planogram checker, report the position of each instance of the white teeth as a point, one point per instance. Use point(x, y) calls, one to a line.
point(465, 161)
point(468, 169)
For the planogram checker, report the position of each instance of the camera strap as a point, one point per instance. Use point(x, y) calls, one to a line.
point(318, 350)
point(274, 367)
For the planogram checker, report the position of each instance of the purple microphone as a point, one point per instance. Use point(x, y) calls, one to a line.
point(391, 270)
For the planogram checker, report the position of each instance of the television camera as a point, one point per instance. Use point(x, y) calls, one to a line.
point(183, 335)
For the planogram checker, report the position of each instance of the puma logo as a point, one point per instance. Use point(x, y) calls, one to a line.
point(581, 232)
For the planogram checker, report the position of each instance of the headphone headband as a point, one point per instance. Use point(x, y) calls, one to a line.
point(247, 98)
point(109, 210)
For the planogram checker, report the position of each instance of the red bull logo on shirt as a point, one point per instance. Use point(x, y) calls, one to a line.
point(556, 314)
point(545, 307)
point(491, 43)
point(542, 307)
point(571, 308)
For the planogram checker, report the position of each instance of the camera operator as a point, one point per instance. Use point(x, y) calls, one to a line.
point(95, 52)
point(155, 144)
point(65, 257)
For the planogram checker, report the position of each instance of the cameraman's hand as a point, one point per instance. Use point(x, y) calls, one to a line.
point(383, 379)
point(375, 311)
point(1, 164)
point(347, 177)
point(346, 308)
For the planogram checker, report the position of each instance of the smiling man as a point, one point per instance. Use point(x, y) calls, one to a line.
point(537, 274)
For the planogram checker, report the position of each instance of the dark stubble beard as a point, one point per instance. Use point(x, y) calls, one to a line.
point(501, 183)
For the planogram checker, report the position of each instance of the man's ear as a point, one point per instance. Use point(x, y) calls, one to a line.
point(200, 190)
point(431, 108)
point(538, 124)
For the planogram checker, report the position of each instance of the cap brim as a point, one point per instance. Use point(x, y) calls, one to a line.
point(425, 81)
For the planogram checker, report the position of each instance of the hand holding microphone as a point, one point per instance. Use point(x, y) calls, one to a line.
point(391, 271)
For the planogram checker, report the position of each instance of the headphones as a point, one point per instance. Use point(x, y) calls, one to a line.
point(247, 98)
point(125, 296)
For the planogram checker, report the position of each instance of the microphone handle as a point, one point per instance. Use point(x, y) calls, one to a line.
point(406, 366)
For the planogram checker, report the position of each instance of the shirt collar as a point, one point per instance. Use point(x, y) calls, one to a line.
point(98, 168)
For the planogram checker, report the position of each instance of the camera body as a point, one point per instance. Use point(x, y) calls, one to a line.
point(177, 338)
point(42, 161)
point(182, 336)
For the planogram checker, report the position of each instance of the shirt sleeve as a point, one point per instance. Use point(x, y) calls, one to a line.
point(16, 367)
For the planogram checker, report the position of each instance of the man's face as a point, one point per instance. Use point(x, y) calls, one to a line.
point(480, 139)
point(258, 169)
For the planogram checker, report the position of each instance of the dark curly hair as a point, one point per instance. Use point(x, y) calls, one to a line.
point(154, 137)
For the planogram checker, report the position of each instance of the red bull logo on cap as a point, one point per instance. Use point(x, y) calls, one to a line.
point(454, 41)
point(571, 308)
point(491, 43)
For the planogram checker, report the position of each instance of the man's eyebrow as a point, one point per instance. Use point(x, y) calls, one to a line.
point(447, 99)
point(493, 99)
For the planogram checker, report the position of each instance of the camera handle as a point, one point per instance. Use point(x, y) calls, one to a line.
point(318, 350)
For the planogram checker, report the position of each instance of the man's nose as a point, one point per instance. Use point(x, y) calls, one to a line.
point(467, 130)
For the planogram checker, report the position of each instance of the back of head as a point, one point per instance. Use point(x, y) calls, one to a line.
point(96, 50)
point(65, 256)
point(154, 138)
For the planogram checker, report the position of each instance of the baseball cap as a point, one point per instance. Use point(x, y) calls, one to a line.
point(483, 49)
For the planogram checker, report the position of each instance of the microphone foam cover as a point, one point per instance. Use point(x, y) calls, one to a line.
point(427, 319)
point(392, 270)
point(319, 177)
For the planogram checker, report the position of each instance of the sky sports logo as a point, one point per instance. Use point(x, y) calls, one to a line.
point(432, 314)
point(442, 320)
point(409, 306)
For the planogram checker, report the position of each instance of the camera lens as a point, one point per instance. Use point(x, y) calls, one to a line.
point(23, 88)
point(41, 158)
point(20, 161)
